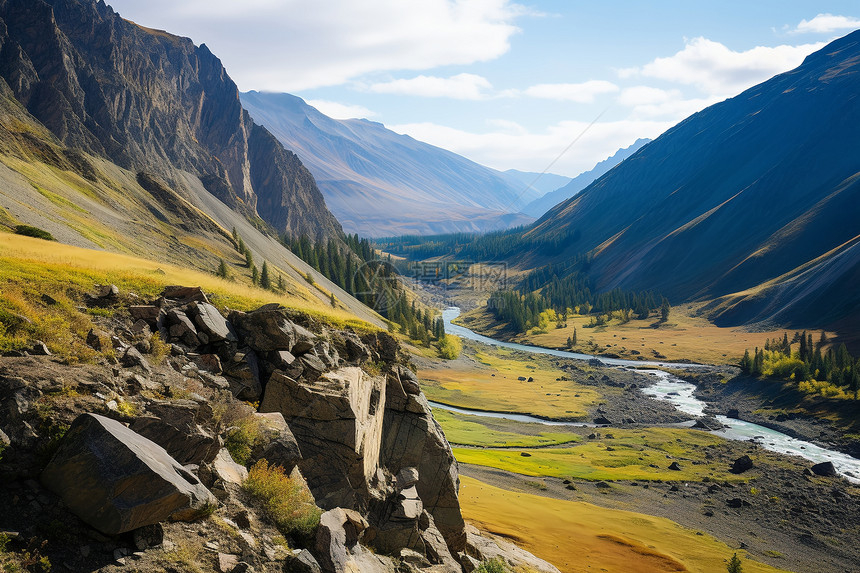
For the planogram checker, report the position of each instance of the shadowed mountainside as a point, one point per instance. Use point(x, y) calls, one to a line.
point(755, 197)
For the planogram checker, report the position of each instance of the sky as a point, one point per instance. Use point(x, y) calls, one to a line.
point(537, 86)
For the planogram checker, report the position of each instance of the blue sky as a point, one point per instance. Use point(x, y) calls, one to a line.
point(507, 84)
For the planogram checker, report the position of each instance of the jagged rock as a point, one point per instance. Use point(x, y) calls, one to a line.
point(602, 421)
point(709, 423)
point(733, 413)
point(208, 362)
point(177, 426)
point(356, 351)
point(414, 440)
point(304, 562)
point(184, 294)
point(94, 339)
point(675, 466)
point(268, 328)
point(209, 320)
point(244, 375)
point(406, 477)
point(181, 328)
point(227, 562)
point(327, 354)
point(133, 357)
point(408, 380)
point(596, 362)
point(826, 469)
point(741, 465)
point(399, 526)
point(483, 548)
point(737, 502)
point(147, 312)
point(313, 366)
point(106, 291)
point(337, 422)
point(227, 470)
point(434, 544)
point(116, 480)
point(277, 445)
point(337, 544)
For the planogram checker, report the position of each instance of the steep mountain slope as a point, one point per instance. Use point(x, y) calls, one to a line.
point(379, 183)
point(150, 101)
point(762, 187)
point(549, 200)
point(150, 196)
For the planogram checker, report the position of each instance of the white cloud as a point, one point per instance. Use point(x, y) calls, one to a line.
point(827, 24)
point(337, 110)
point(719, 71)
point(648, 102)
point(293, 45)
point(503, 148)
point(461, 86)
point(584, 92)
point(646, 95)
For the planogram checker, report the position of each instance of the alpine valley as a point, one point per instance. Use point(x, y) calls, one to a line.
point(238, 335)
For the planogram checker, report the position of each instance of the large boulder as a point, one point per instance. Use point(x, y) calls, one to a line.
point(243, 373)
point(269, 328)
point(116, 480)
point(178, 426)
point(210, 321)
point(337, 545)
point(337, 422)
point(826, 469)
point(277, 445)
point(741, 465)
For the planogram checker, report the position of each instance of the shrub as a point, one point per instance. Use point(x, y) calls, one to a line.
point(450, 347)
point(494, 565)
point(30, 231)
point(242, 438)
point(288, 502)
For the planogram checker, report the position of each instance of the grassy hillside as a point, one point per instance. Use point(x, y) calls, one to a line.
point(45, 282)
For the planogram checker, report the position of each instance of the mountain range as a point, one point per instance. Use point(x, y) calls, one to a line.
point(751, 203)
point(380, 183)
point(573, 186)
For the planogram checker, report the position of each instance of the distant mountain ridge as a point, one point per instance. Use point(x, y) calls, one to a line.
point(752, 201)
point(150, 101)
point(549, 200)
point(380, 183)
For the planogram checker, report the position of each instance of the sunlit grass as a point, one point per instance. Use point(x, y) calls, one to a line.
point(580, 537)
point(629, 455)
point(462, 429)
point(30, 268)
point(496, 387)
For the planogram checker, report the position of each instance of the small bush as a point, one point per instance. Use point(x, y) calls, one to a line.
point(494, 565)
point(450, 347)
point(158, 349)
point(242, 438)
point(288, 502)
point(30, 231)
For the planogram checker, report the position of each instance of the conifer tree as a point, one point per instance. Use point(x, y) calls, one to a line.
point(223, 272)
point(734, 565)
point(249, 258)
point(265, 280)
point(281, 286)
point(255, 274)
point(664, 310)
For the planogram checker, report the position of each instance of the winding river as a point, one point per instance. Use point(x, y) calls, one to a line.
point(670, 388)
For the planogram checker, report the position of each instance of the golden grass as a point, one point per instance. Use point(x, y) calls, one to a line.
point(684, 338)
point(495, 387)
point(31, 268)
point(578, 537)
point(629, 455)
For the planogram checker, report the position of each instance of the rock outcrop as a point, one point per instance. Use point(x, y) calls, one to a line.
point(117, 480)
point(152, 102)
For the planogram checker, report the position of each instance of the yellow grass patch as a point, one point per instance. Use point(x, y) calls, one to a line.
point(684, 338)
point(580, 537)
point(495, 386)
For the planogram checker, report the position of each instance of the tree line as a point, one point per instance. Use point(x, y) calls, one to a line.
point(354, 266)
point(809, 365)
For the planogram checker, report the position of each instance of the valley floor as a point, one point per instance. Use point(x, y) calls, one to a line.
point(540, 484)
